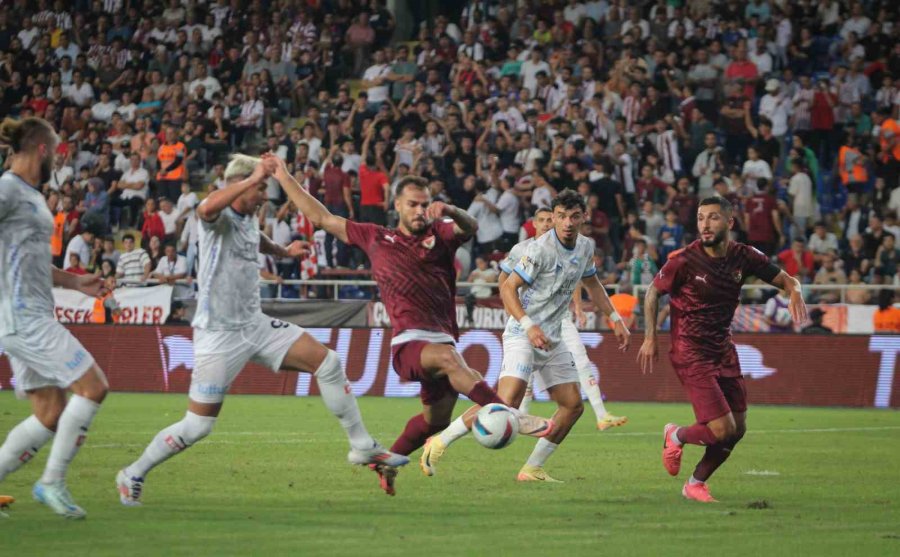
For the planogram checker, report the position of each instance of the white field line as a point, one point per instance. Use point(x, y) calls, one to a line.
point(299, 438)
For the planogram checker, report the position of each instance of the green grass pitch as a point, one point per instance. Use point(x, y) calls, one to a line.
point(273, 480)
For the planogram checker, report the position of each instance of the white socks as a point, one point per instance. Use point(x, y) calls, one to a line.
point(22, 443)
point(339, 400)
point(70, 435)
point(590, 386)
point(171, 441)
point(542, 451)
point(456, 430)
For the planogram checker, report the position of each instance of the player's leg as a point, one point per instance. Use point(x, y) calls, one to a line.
point(558, 374)
point(306, 354)
point(219, 357)
point(589, 383)
point(529, 396)
point(715, 455)
point(72, 428)
point(438, 400)
point(26, 439)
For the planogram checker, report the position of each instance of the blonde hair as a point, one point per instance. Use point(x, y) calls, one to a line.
point(241, 166)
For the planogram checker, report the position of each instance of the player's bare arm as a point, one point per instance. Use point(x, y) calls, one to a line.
point(311, 208)
point(297, 248)
point(605, 308)
point(649, 352)
point(796, 306)
point(91, 285)
point(217, 201)
point(509, 293)
point(463, 223)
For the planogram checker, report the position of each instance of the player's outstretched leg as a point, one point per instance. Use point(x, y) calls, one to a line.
point(466, 380)
point(589, 383)
point(26, 439)
point(71, 432)
point(309, 354)
point(568, 399)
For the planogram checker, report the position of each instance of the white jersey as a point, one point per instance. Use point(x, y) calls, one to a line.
point(228, 278)
point(26, 276)
point(552, 272)
point(514, 255)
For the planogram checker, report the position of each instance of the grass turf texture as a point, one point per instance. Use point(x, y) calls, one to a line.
point(273, 479)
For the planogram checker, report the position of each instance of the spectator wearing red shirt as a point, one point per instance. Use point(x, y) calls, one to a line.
point(798, 261)
point(762, 221)
point(153, 224)
point(373, 187)
point(599, 223)
point(75, 265)
point(337, 197)
point(824, 140)
point(649, 187)
point(742, 71)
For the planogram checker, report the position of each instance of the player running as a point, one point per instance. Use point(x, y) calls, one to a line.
point(704, 282)
point(543, 222)
point(231, 330)
point(548, 273)
point(46, 359)
point(414, 268)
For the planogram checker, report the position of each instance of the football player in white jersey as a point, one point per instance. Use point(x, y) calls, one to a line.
point(230, 330)
point(547, 274)
point(46, 359)
point(543, 222)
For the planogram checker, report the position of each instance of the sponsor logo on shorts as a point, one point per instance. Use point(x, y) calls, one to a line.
point(76, 361)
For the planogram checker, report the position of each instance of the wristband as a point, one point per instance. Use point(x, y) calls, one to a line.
point(526, 323)
point(615, 317)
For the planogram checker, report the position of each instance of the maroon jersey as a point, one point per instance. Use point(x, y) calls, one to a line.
point(415, 274)
point(704, 293)
point(759, 208)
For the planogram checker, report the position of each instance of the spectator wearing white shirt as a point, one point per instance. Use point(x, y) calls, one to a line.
point(530, 68)
point(473, 49)
point(81, 245)
point(821, 242)
point(171, 268)
point(66, 48)
point(134, 263)
point(856, 23)
point(754, 169)
point(803, 205)
point(103, 110)
point(169, 217)
point(636, 22)
point(777, 108)
point(210, 84)
point(510, 218)
point(528, 155)
point(79, 92)
point(251, 118)
point(761, 58)
point(484, 210)
point(29, 34)
point(376, 81)
point(61, 174)
point(134, 186)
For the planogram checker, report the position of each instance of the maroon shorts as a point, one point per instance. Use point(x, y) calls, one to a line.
point(713, 396)
point(407, 360)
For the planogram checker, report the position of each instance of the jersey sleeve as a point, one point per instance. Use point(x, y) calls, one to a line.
point(532, 262)
point(6, 201)
point(589, 269)
point(757, 264)
point(361, 234)
point(512, 258)
point(668, 279)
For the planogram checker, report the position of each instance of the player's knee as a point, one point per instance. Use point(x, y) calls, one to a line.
point(49, 415)
point(739, 431)
point(723, 428)
point(330, 370)
point(196, 427)
point(448, 363)
point(573, 409)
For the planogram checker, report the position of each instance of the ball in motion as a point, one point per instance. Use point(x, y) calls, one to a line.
point(495, 426)
point(783, 317)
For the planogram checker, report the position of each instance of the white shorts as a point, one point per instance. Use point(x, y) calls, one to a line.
point(572, 340)
point(553, 367)
point(45, 354)
point(219, 356)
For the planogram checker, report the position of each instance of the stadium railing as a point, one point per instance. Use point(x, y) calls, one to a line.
point(638, 290)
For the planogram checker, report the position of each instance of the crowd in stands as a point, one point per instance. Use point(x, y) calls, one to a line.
point(788, 109)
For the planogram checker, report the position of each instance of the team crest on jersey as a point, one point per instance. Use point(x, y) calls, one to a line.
point(428, 243)
point(737, 276)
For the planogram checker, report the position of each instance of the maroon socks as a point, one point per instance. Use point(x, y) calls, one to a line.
point(697, 434)
point(414, 435)
point(482, 394)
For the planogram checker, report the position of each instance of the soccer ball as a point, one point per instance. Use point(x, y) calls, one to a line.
point(495, 426)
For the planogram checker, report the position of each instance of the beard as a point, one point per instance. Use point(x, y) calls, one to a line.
point(416, 226)
point(46, 170)
point(717, 239)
